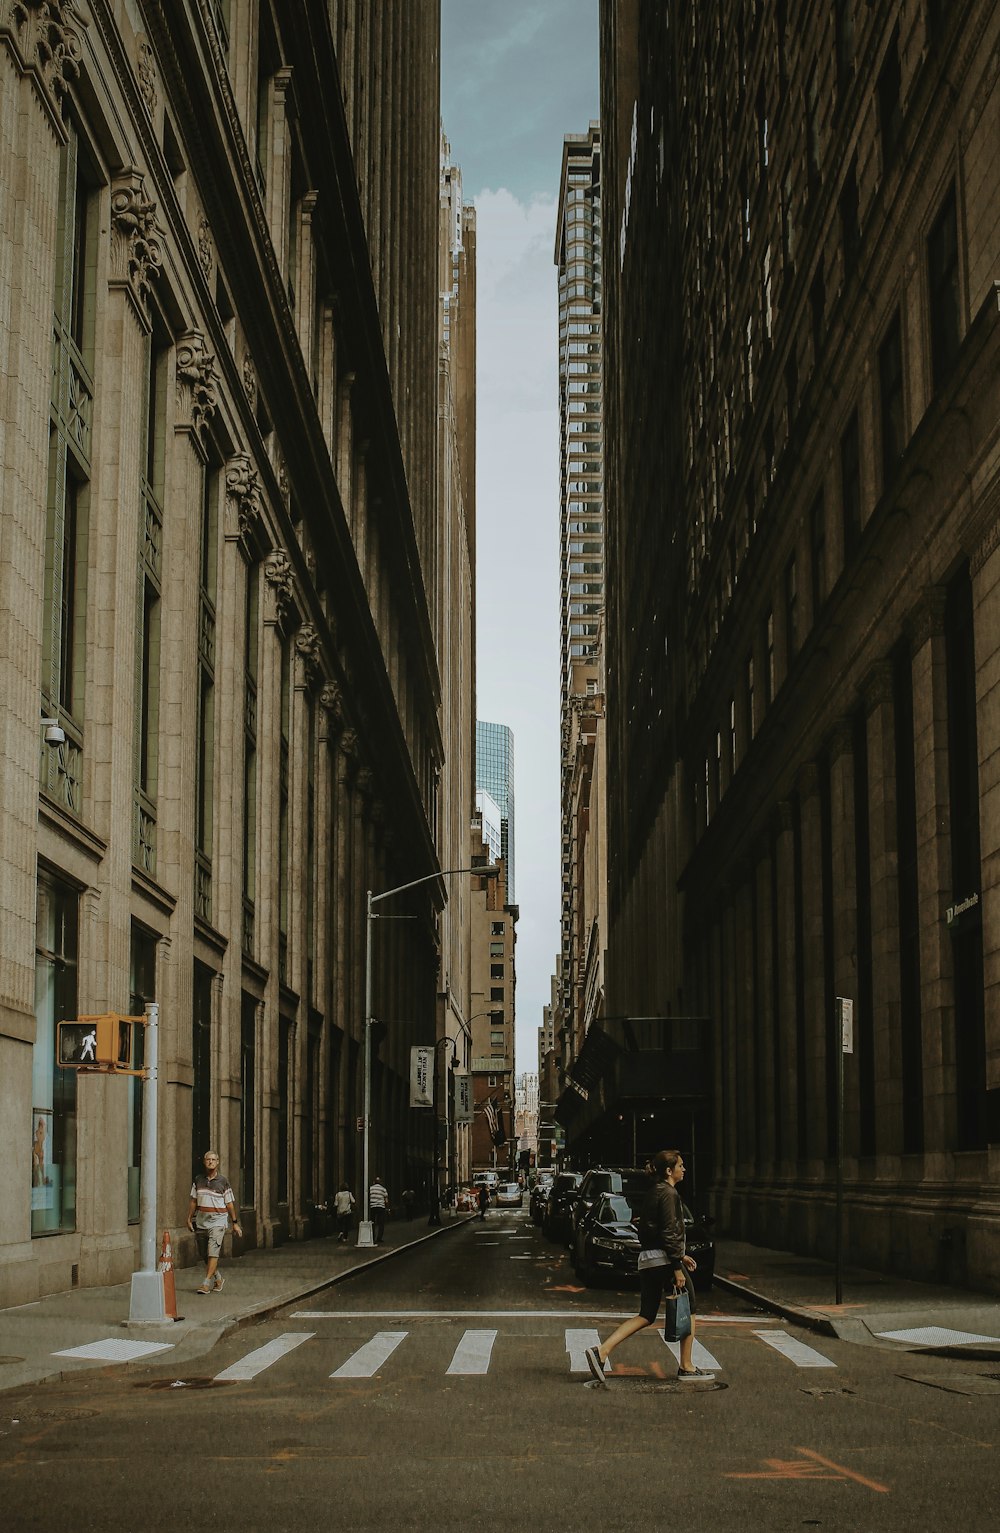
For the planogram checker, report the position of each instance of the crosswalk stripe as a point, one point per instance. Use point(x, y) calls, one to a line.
point(577, 1343)
point(262, 1357)
point(701, 1357)
point(472, 1355)
point(796, 1351)
point(368, 1359)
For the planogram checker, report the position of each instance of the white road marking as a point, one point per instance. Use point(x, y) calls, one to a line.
point(577, 1343)
point(113, 1349)
point(700, 1356)
point(937, 1336)
point(796, 1351)
point(472, 1355)
point(262, 1357)
point(500, 1314)
point(369, 1358)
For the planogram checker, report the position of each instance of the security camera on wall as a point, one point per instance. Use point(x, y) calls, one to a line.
point(54, 732)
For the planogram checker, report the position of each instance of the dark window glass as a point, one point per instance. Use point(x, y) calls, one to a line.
point(865, 1011)
point(890, 110)
point(850, 227)
point(201, 1058)
point(817, 532)
point(850, 486)
point(143, 990)
point(769, 677)
point(844, 41)
point(942, 271)
point(284, 1060)
point(908, 890)
point(53, 1090)
point(817, 312)
point(890, 377)
point(248, 1100)
point(791, 609)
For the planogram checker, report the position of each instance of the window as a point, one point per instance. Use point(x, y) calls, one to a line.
point(496, 971)
point(812, 133)
point(844, 42)
point(732, 736)
point(890, 377)
point(496, 992)
point(850, 486)
point(152, 480)
point(205, 745)
point(142, 986)
point(53, 1091)
point(817, 539)
point(769, 674)
point(890, 111)
point(248, 1100)
point(850, 228)
point(791, 610)
point(496, 1041)
point(942, 271)
point(250, 759)
point(496, 929)
point(201, 1060)
point(751, 722)
point(496, 949)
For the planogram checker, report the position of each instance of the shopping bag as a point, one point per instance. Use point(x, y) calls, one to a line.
point(677, 1322)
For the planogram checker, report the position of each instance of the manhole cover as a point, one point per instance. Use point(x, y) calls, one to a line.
point(179, 1384)
point(803, 1391)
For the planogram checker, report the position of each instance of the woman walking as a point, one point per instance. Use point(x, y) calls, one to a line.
point(663, 1265)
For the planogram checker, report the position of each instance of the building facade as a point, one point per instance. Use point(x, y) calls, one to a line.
point(581, 535)
point(495, 775)
point(803, 503)
point(220, 411)
point(494, 984)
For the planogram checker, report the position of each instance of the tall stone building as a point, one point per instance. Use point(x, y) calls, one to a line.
point(494, 987)
point(802, 363)
point(581, 550)
point(228, 580)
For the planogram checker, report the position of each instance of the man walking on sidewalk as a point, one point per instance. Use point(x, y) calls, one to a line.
point(378, 1202)
point(212, 1202)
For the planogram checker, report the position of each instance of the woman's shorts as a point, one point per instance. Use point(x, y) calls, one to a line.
point(654, 1282)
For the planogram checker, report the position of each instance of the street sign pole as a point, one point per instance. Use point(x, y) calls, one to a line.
point(148, 1301)
point(365, 1236)
point(844, 1017)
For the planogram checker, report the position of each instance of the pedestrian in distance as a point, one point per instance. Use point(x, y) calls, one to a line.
point(210, 1208)
point(484, 1200)
point(664, 1266)
point(378, 1202)
point(344, 1205)
point(409, 1197)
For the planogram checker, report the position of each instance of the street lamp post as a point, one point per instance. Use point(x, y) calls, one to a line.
point(435, 1210)
point(365, 1226)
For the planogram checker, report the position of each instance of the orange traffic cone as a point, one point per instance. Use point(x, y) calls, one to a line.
point(166, 1266)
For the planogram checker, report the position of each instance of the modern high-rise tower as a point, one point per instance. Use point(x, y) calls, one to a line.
point(495, 775)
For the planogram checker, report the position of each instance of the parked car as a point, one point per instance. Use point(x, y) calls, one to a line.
point(607, 1241)
point(557, 1219)
point(632, 1181)
point(489, 1179)
point(509, 1195)
point(539, 1197)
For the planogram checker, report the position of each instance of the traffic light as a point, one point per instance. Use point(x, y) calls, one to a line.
point(96, 1043)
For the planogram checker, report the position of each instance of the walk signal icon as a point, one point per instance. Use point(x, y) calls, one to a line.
point(97, 1043)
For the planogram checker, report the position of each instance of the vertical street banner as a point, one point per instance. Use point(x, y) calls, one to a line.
point(421, 1076)
point(463, 1098)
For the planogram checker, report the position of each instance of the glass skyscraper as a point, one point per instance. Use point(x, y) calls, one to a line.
point(495, 776)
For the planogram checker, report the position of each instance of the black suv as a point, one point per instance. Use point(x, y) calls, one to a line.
point(631, 1182)
point(557, 1220)
point(606, 1242)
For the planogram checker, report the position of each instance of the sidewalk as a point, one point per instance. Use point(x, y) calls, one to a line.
point(938, 1319)
point(256, 1285)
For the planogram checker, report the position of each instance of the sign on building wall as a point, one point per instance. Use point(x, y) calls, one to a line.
point(463, 1098)
point(421, 1076)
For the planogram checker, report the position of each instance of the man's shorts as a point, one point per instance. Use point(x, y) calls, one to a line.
point(210, 1238)
point(654, 1282)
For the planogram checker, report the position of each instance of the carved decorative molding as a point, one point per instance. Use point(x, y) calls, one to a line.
point(197, 379)
point(145, 70)
point(877, 687)
point(927, 619)
point(135, 235)
point(309, 650)
point(242, 497)
point(808, 779)
point(48, 39)
point(988, 520)
point(841, 739)
point(206, 250)
point(249, 380)
point(366, 785)
point(278, 573)
point(331, 700)
point(784, 816)
point(984, 91)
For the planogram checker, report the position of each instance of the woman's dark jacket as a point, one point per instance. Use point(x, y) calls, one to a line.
point(661, 1222)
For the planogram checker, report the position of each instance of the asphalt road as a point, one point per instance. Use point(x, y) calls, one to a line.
point(446, 1389)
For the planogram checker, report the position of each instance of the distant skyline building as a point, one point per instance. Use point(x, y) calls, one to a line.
point(495, 776)
point(492, 823)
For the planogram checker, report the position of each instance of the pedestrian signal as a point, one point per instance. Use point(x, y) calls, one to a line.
point(97, 1043)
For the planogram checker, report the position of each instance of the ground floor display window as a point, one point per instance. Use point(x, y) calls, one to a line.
point(53, 1090)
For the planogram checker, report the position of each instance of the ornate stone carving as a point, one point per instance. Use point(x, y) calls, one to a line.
point(146, 72)
point(808, 782)
point(877, 686)
point(349, 751)
point(48, 36)
point(841, 739)
point(366, 784)
point(307, 646)
point(206, 250)
point(284, 487)
point(784, 816)
point(249, 379)
point(135, 236)
point(242, 496)
point(332, 702)
point(927, 619)
point(278, 573)
point(196, 379)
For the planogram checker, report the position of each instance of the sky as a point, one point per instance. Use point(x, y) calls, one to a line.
point(516, 76)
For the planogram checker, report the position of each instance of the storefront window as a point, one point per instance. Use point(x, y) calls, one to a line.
point(53, 1090)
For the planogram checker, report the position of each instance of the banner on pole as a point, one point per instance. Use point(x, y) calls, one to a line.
point(845, 1018)
point(421, 1076)
point(463, 1098)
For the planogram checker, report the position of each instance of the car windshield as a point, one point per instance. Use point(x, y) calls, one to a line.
point(615, 1210)
point(565, 1182)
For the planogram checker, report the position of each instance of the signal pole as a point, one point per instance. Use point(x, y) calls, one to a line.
point(148, 1305)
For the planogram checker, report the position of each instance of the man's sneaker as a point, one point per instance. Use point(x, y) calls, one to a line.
point(694, 1375)
point(220, 1281)
point(595, 1365)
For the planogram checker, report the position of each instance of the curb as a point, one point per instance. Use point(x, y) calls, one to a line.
point(804, 1317)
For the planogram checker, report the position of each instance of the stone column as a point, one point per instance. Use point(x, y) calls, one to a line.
point(815, 975)
point(746, 1063)
point(786, 1086)
point(767, 1091)
point(884, 1047)
point(843, 851)
point(985, 573)
point(930, 764)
